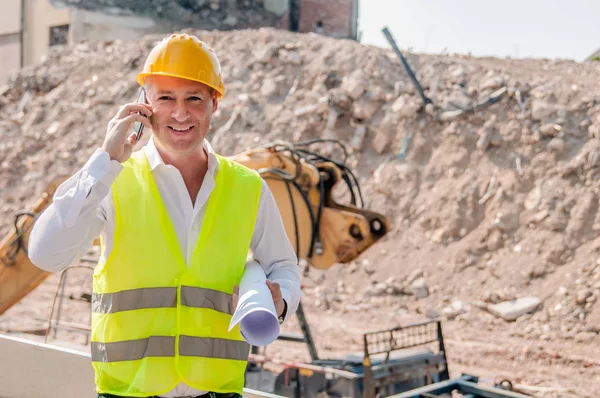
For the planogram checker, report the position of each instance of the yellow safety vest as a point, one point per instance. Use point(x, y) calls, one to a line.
point(155, 321)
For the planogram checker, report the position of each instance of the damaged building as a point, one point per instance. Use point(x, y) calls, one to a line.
point(29, 27)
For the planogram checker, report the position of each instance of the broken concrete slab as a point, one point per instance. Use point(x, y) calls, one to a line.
point(511, 310)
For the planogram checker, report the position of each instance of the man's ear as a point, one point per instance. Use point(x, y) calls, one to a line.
point(215, 102)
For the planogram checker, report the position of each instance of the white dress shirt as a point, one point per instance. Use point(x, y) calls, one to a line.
point(83, 209)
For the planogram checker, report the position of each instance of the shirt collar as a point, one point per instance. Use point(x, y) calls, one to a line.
point(155, 160)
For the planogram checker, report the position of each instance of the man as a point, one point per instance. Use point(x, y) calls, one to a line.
point(176, 222)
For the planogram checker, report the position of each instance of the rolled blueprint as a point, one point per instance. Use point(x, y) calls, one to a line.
point(255, 311)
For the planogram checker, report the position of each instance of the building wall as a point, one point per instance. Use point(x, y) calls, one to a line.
point(40, 16)
point(91, 25)
point(339, 18)
point(10, 56)
point(10, 17)
point(277, 7)
point(335, 16)
point(10, 39)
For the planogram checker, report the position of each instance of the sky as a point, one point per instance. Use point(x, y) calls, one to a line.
point(567, 29)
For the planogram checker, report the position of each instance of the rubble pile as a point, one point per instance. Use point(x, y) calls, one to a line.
point(492, 190)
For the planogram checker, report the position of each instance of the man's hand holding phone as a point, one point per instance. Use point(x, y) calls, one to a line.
point(139, 127)
point(119, 139)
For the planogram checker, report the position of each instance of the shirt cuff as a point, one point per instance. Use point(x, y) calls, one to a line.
point(102, 169)
point(287, 300)
point(285, 307)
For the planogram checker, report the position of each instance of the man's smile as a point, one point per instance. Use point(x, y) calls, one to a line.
point(180, 129)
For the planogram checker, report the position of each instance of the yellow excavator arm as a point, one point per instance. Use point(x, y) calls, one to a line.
point(322, 231)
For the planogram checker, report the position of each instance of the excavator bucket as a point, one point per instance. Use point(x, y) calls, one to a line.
point(18, 276)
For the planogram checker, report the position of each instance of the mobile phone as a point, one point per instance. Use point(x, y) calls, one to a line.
point(139, 127)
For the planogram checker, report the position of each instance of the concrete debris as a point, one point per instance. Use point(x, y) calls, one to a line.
point(359, 137)
point(432, 313)
point(557, 145)
point(409, 109)
point(365, 108)
point(376, 289)
point(583, 296)
point(485, 139)
point(419, 288)
point(366, 266)
point(550, 129)
point(506, 220)
point(354, 85)
point(449, 116)
point(453, 310)
point(495, 240)
point(381, 142)
point(562, 291)
point(269, 88)
point(399, 103)
point(546, 112)
point(457, 100)
point(511, 310)
point(492, 83)
point(586, 337)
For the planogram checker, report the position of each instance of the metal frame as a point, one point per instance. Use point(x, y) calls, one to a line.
point(387, 341)
point(55, 324)
point(466, 385)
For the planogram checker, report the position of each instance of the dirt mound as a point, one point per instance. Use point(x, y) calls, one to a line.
point(493, 191)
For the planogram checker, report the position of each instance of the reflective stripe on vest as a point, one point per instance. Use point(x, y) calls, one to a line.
point(159, 319)
point(161, 297)
point(164, 346)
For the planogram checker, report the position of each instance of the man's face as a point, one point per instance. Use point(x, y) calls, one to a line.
point(182, 110)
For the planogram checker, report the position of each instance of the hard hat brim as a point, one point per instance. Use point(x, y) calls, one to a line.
point(142, 76)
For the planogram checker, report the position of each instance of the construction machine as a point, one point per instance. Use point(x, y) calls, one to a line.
point(325, 229)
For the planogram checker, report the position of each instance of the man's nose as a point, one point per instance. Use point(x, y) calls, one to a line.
point(180, 112)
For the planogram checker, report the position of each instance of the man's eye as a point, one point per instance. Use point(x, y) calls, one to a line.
point(194, 98)
point(165, 98)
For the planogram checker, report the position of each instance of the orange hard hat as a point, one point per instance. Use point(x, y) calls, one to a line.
point(187, 57)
